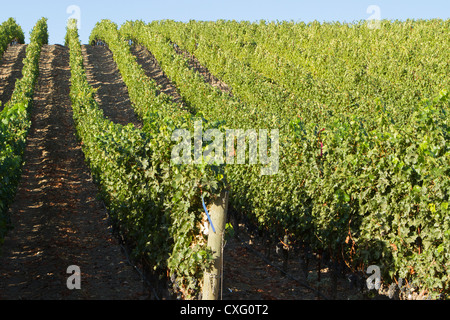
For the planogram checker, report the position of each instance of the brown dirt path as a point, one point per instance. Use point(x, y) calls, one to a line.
point(57, 218)
point(112, 93)
point(198, 67)
point(10, 71)
point(154, 71)
point(252, 273)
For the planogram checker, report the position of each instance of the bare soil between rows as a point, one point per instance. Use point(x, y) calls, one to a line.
point(10, 71)
point(112, 93)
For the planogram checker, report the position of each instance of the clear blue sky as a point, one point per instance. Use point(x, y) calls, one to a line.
point(28, 12)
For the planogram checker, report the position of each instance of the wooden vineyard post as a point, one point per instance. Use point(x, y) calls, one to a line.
point(211, 278)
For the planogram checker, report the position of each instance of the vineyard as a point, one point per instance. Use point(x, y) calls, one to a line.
point(355, 172)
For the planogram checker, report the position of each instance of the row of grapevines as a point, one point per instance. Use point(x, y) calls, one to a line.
point(15, 122)
point(10, 31)
point(383, 63)
point(367, 185)
point(155, 203)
